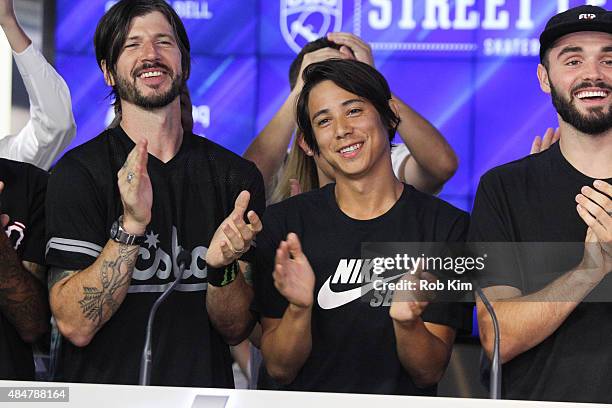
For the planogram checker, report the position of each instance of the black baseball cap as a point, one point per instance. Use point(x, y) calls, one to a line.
point(581, 18)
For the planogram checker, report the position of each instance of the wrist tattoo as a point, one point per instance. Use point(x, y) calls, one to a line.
point(126, 252)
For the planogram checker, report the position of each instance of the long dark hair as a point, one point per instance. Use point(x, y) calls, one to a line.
point(113, 28)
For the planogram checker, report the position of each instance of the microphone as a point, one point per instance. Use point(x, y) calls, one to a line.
point(496, 373)
point(495, 379)
point(183, 259)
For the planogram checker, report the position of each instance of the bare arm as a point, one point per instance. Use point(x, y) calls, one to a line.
point(424, 349)
point(229, 308)
point(432, 161)
point(526, 321)
point(83, 301)
point(286, 343)
point(269, 148)
point(228, 300)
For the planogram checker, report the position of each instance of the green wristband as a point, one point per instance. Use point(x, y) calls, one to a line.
point(224, 275)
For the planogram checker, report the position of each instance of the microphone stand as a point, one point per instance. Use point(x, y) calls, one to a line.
point(183, 259)
point(496, 373)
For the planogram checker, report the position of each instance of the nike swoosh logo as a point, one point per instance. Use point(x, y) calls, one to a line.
point(328, 299)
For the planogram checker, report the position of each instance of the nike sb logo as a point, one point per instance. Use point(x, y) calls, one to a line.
point(350, 272)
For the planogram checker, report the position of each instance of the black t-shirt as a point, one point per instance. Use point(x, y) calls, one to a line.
point(533, 200)
point(192, 194)
point(23, 200)
point(353, 344)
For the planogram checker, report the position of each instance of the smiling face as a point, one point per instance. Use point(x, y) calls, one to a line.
point(579, 79)
point(148, 71)
point(348, 130)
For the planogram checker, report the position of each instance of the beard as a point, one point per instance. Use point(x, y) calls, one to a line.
point(127, 91)
point(598, 119)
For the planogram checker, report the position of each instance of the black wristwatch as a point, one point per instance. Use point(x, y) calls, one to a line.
point(118, 234)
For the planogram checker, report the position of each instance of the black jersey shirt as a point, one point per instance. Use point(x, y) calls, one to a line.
point(192, 194)
point(532, 201)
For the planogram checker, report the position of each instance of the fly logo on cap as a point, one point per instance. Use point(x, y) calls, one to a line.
point(581, 18)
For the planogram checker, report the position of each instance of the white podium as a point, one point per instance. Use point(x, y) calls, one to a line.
point(119, 396)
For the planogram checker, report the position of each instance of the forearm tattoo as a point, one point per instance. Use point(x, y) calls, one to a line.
point(99, 303)
point(22, 298)
point(248, 274)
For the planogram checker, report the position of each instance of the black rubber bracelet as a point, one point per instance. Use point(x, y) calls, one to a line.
point(222, 276)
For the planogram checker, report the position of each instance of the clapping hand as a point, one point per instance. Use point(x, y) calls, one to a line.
point(234, 237)
point(293, 275)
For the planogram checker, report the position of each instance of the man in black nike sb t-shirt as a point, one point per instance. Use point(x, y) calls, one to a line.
point(318, 333)
point(353, 341)
point(554, 346)
point(124, 204)
point(24, 310)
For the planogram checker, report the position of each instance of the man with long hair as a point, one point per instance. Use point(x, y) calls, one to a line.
point(159, 189)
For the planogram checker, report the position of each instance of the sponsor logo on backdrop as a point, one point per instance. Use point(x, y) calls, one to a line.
point(508, 27)
point(493, 16)
point(302, 21)
point(201, 115)
point(189, 9)
point(196, 10)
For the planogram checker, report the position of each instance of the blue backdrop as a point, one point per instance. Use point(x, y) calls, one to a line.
point(469, 66)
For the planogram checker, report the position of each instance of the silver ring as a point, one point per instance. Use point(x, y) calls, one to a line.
point(238, 252)
point(130, 177)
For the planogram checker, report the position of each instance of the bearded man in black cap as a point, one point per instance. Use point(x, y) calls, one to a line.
point(554, 345)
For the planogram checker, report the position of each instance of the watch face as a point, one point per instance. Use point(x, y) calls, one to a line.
point(114, 230)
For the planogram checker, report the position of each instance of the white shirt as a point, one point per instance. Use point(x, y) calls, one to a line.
point(399, 154)
point(51, 127)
